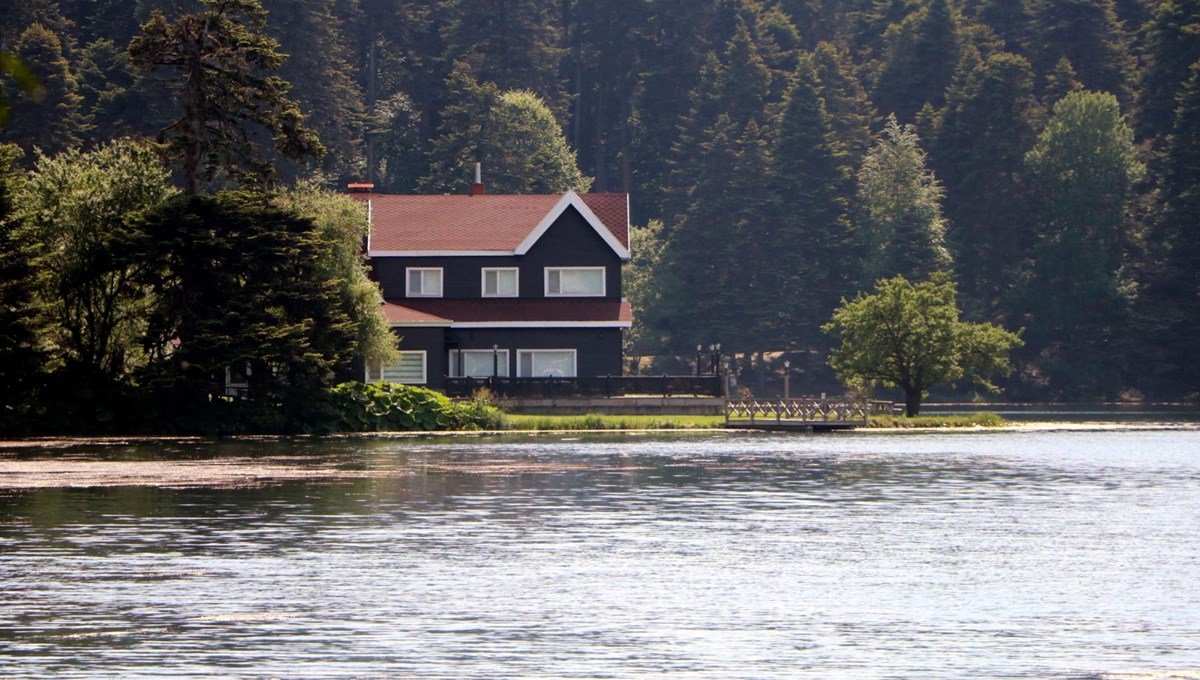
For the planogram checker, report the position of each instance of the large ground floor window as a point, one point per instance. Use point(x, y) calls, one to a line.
point(546, 363)
point(478, 363)
point(410, 370)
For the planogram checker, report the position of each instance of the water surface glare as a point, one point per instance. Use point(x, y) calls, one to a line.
point(950, 555)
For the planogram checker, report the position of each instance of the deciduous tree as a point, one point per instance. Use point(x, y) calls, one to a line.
point(910, 336)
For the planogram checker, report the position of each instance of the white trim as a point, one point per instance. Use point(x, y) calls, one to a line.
point(574, 360)
point(483, 272)
point(433, 324)
point(439, 253)
point(546, 282)
point(370, 225)
point(572, 199)
point(541, 324)
point(422, 294)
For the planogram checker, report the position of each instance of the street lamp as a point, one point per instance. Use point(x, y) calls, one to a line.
point(787, 375)
point(495, 361)
point(716, 357)
point(698, 349)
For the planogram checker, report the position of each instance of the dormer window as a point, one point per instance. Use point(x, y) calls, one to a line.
point(500, 282)
point(424, 281)
point(574, 281)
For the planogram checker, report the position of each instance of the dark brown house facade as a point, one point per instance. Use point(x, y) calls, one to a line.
point(483, 285)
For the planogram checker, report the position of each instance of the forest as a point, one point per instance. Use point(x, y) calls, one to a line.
point(781, 156)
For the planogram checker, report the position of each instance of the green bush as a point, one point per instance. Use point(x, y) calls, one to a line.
point(370, 407)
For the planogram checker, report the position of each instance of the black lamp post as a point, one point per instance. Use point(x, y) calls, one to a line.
point(698, 348)
point(787, 376)
point(495, 361)
point(716, 357)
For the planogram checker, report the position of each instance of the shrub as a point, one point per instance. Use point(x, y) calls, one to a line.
point(369, 407)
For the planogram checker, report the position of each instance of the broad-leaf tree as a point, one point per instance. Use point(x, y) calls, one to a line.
point(910, 336)
point(224, 67)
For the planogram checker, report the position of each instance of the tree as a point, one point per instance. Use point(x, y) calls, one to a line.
point(241, 286)
point(513, 134)
point(1088, 34)
point(910, 336)
point(901, 229)
point(1173, 45)
point(922, 53)
point(640, 283)
point(20, 357)
point(55, 121)
point(1075, 294)
point(229, 91)
point(991, 121)
point(811, 175)
point(78, 209)
point(12, 66)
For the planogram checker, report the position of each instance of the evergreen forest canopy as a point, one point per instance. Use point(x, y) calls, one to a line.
point(780, 155)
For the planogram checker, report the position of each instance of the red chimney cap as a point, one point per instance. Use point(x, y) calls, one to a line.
point(360, 186)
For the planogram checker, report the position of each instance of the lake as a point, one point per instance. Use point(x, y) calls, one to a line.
point(1029, 554)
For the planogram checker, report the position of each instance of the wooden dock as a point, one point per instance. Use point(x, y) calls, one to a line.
point(803, 414)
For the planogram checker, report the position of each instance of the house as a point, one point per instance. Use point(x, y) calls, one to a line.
point(507, 285)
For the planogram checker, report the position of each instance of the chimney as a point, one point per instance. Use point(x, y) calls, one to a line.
point(360, 187)
point(477, 187)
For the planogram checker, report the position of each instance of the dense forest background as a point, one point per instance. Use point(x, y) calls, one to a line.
point(780, 155)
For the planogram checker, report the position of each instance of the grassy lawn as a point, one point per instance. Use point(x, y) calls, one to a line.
point(594, 421)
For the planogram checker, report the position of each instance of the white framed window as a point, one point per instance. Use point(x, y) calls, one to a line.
point(478, 363)
point(237, 379)
point(410, 370)
point(575, 281)
point(546, 363)
point(500, 281)
point(424, 281)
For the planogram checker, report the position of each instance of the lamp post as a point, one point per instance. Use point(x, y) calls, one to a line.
point(698, 348)
point(495, 361)
point(716, 357)
point(787, 376)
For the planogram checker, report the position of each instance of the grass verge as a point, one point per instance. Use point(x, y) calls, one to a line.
point(593, 421)
point(947, 420)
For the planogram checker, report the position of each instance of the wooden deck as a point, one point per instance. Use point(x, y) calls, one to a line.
point(803, 414)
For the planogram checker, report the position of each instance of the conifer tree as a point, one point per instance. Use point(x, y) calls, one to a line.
point(990, 122)
point(900, 228)
point(849, 107)
point(227, 81)
point(20, 357)
point(54, 121)
point(1011, 20)
point(1059, 83)
point(1173, 45)
point(811, 176)
point(1088, 34)
point(922, 53)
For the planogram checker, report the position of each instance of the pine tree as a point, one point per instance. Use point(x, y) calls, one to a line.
point(228, 93)
point(21, 360)
point(56, 120)
point(847, 103)
point(1173, 45)
point(1012, 22)
point(811, 177)
point(922, 53)
point(1089, 35)
point(989, 124)
point(1059, 83)
point(900, 228)
point(1167, 365)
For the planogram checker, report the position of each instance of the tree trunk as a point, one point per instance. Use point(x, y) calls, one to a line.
point(912, 402)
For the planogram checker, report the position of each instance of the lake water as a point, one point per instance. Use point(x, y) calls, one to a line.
point(953, 555)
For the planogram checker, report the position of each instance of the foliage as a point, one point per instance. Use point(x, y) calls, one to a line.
point(241, 286)
point(11, 66)
point(375, 407)
point(938, 421)
point(21, 359)
point(225, 63)
point(49, 115)
point(78, 212)
point(901, 228)
point(343, 224)
point(909, 336)
point(594, 421)
point(639, 283)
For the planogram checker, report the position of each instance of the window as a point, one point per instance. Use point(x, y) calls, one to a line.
point(500, 282)
point(410, 370)
point(575, 281)
point(237, 380)
point(546, 363)
point(424, 282)
point(477, 363)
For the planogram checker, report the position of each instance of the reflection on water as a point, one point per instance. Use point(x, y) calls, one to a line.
point(1001, 555)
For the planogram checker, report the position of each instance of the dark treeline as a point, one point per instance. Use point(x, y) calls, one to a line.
point(780, 155)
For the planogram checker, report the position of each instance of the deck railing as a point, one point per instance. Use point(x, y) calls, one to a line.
point(601, 386)
point(807, 410)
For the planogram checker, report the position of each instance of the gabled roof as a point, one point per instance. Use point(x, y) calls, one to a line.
point(513, 313)
point(407, 225)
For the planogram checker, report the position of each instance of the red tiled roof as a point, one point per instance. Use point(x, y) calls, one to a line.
point(476, 223)
point(508, 310)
